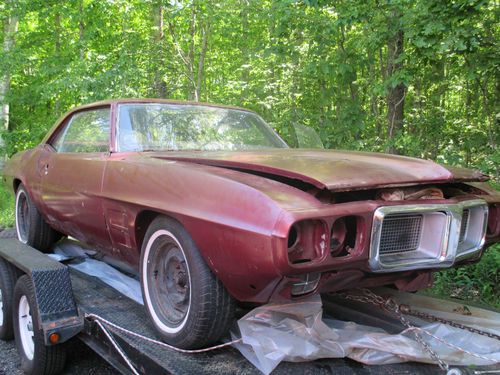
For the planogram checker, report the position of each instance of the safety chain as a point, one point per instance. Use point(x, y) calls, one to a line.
point(442, 364)
point(370, 297)
point(366, 296)
point(114, 327)
point(405, 309)
point(390, 305)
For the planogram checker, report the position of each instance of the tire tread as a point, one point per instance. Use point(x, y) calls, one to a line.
point(8, 277)
point(215, 307)
point(41, 235)
point(48, 360)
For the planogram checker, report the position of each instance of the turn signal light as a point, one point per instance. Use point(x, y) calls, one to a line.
point(54, 338)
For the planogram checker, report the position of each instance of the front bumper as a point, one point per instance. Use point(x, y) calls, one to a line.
point(364, 265)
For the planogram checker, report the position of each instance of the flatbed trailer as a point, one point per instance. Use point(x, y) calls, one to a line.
point(69, 302)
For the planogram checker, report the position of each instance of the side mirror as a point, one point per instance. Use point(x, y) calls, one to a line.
point(307, 137)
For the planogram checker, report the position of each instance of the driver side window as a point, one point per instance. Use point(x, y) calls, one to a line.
point(86, 131)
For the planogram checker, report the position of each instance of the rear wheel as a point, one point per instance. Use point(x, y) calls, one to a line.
point(30, 225)
point(36, 358)
point(186, 302)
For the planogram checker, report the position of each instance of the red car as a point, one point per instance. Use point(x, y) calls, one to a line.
point(211, 207)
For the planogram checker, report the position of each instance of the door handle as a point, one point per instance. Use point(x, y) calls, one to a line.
point(46, 168)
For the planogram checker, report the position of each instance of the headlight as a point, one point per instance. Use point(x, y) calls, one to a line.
point(307, 240)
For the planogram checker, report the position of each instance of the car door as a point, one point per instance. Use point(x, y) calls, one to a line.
point(72, 176)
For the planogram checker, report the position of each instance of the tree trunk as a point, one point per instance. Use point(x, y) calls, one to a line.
point(352, 87)
point(380, 110)
point(159, 84)
point(57, 52)
point(201, 62)
point(10, 28)
point(244, 47)
point(396, 92)
point(81, 30)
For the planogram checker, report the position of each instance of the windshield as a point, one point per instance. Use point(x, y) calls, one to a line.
point(150, 127)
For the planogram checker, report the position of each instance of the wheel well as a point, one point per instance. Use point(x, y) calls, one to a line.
point(142, 222)
point(16, 184)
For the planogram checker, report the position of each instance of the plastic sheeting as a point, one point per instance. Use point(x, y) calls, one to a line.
point(296, 332)
point(128, 286)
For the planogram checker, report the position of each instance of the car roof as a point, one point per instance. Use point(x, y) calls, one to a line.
point(155, 101)
point(102, 103)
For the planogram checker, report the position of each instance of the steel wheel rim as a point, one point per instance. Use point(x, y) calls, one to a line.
point(22, 215)
point(26, 332)
point(1, 307)
point(168, 281)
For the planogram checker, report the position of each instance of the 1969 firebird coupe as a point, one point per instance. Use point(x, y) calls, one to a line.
point(211, 207)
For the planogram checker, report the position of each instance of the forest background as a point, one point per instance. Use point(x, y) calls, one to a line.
point(413, 77)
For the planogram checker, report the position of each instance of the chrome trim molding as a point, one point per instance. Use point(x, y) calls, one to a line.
point(475, 235)
point(442, 254)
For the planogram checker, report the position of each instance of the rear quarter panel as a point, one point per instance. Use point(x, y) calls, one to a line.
point(24, 167)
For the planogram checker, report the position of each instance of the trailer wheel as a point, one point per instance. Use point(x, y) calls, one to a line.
point(30, 225)
point(186, 302)
point(36, 358)
point(7, 282)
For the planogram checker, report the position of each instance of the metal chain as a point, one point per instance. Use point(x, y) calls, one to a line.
point(437, 338)
point(441, 363)
point(366, 296)
point(391, 305)
point(405, 309)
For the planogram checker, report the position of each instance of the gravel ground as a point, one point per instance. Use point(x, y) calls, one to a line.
point(81, 360)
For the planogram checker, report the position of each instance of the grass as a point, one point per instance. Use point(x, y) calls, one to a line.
point(6, 207)
point(479, 282)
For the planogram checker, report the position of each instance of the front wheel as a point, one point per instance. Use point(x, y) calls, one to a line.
point(186, 302)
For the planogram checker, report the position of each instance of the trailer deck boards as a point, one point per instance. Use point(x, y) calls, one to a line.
point(95, 297)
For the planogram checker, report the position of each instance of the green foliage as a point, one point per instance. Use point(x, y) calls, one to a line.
point(319, 63)
point(6, 208)
point(477, 282)
point(322, 64)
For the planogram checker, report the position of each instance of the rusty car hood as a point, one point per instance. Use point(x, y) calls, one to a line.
point(329, 169)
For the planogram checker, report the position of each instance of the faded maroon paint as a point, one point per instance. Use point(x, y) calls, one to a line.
point(240, 221)
point(333, 170)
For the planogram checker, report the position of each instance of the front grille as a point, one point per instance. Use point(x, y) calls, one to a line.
point(463, 225)
point(420, 236)
point(400, 233)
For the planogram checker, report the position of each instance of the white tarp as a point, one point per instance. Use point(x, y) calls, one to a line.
point(297, 332)
point(126, 285)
